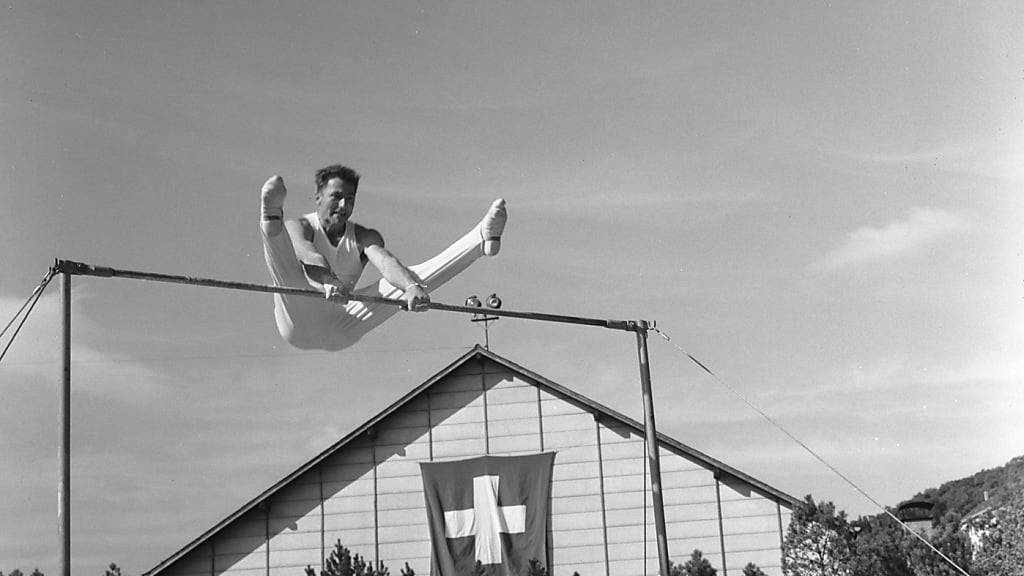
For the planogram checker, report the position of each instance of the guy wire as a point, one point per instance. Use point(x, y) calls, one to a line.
point(33, 298)
point(809, 450)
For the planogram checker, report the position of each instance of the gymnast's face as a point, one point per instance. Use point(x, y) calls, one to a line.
point(335, 203)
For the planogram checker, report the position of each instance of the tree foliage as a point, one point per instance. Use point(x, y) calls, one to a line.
point(342, 562)
point(18, 572)
point(536, 568)
point(697, 565)
point(878, 548)
point(962, 495)
point(817, 541)
point(1001, 550)
point(751, 569)
point(821, 542)
point(112, 570)
point(945, 536)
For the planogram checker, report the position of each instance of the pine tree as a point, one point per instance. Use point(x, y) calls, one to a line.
point(697, 565)
point(342, 562)
point(751, 569)
point(817, 541)
point(536, 568)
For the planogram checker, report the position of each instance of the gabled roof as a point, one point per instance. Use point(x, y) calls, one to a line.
point(915, 510)
point(720, 469)
point(989, 505)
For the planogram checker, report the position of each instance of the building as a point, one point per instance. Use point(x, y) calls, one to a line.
point(917, 515)
point(981, 521)
point(366, 489)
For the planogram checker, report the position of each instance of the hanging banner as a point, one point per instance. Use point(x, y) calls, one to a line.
point(493, 510)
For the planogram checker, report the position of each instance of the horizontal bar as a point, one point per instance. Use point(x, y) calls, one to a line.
point(78, 268)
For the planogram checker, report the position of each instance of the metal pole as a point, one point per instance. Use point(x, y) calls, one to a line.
point(64, 441)
point(652, 446)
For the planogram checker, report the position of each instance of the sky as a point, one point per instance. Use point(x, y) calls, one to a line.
point(819, 201)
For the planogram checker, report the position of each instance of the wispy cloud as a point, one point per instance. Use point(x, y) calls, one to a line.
point(36, 351)
point(899, 238)
point(997, 156)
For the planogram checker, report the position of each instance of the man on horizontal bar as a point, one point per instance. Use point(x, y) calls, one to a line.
point(328, 251)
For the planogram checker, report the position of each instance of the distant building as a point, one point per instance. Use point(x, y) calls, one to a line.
point(980, 520)
point(917, 514)
point(367, 491)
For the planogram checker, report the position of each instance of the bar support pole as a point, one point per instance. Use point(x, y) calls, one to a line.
point(653, 456)
point(64, 441)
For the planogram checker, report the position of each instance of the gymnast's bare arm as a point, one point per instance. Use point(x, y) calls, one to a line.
point(372, 243)
point(313, 262)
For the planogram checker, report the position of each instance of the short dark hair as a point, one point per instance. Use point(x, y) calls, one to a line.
point(346, 174)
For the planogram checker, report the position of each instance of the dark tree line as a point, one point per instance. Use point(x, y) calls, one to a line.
point(17, 572)
point(342, 562)
point(821, 541)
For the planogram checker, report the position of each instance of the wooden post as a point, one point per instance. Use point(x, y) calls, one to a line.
point(653, 456)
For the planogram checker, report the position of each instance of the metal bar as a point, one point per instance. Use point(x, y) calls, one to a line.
point(430, 425)
point(652, 447)
point(604, 505)
point(64, 441)
point(79, 268)
point(483, 395)
point(376, 499)
point(721, 522)
point(540, 420)
point(323, 519)
point(266, 535)
point(778, 513)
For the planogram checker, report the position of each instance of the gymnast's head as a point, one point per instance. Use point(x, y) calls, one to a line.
point(335, 197)
point(346, 174)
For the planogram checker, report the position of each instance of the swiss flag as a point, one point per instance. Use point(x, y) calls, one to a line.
point(492, 509)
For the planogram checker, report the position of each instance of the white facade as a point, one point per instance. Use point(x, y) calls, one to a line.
point(366, 489)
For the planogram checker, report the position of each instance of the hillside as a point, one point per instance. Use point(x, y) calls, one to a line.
point(963, 495)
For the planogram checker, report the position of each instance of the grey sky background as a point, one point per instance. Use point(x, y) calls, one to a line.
point(821, 202)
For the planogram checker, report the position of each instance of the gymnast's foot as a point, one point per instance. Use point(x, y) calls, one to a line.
point(492, 226)
point(272, 206)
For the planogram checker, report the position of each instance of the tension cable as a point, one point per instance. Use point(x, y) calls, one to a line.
point(808, 449)
point(30, 303)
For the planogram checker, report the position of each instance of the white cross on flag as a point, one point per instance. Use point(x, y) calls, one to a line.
point(492, 509)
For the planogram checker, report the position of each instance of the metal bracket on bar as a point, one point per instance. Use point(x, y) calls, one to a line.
point(633, 325)
point(80, 269)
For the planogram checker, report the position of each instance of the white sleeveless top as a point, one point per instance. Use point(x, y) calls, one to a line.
point(345, 258)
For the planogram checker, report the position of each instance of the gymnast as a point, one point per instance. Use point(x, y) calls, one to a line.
point(326, 250)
